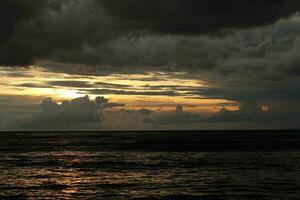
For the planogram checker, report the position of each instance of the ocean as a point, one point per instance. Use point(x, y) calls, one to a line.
point(211, 165)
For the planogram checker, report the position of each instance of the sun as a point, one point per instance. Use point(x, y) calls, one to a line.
point(68, 94)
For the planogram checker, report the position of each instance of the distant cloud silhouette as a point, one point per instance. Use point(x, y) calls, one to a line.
point(145, 111)
point(69, 114)
point(176, 117)
point(131, 92)
point(249, 112)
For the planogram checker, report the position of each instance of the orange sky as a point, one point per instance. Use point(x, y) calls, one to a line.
point(34, 82)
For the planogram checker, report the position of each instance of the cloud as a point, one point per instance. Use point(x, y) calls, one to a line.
point(111, 105)
point(14, 12)
point(45, 29)
point(75, 84)
point(112, 85)
point(252, 112)
point(1, 121)
point(197, 16)
point(87, 37)
point(128, 92)
point(85, 114)
point(78, 113)
point(251, 90)
point(176, 117)
point(99, 32)
point(33, 85)
point(268, 53)
point(249, 112)
point(145, 111)
point(242, 50)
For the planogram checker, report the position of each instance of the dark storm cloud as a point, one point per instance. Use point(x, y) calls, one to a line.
point(245, 91)
point(269, 53)
point(198, 16)
point(38, 29)
point(81, 31)
point(14, 12)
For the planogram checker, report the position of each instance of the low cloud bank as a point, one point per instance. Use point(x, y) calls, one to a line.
point(75, 114)
point(249, 112)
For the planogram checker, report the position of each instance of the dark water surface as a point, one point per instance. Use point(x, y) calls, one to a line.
point(148, 165)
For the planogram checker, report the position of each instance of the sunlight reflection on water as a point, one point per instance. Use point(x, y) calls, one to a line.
point(69, 173)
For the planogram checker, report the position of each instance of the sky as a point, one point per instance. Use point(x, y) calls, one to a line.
point(149, 65)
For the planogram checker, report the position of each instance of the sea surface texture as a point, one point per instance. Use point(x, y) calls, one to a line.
point(151, 165)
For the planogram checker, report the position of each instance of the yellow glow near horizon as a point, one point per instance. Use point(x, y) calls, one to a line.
point(68, 94)
point(36, 81)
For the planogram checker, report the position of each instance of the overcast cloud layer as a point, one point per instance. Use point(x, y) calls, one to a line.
point(70, 30)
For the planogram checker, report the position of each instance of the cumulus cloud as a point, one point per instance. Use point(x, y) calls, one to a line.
point(79, 112)
point(85, 114)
